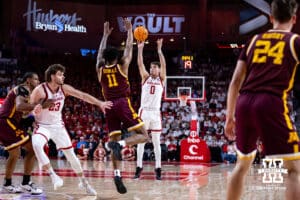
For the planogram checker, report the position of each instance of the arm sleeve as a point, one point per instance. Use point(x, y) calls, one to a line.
point(22, 91)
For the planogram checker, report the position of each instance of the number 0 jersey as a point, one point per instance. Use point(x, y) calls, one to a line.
point(152, 90)
point(114, 82)
point(53, 114)
point(272, 58)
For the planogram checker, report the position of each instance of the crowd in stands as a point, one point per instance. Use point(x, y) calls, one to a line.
point(86, 124)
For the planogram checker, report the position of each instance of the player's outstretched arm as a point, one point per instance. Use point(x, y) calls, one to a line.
point(106, 32)
point(162, 60)
point(233, 92)
point(127, 55)
point(69, 90)
point(140, 61)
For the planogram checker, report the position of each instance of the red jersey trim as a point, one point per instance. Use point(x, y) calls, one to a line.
point(46, 93)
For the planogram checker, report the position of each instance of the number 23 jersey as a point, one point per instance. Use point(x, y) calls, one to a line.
point(53, 114)
point(272, 58)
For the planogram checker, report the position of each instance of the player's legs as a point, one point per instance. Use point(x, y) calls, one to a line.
point(140, 135)
point(115, 157)
point(12, 137)
point(140, 154)
point(157, 153)
point(156, 127)
point(62, 140)
point(39, 139)
point(76, 166)
point(13, 157)
point(236, 180)
point(246, 137)
point(141, 146)
point(132, 122)
point(29, 161)
point(113, 120)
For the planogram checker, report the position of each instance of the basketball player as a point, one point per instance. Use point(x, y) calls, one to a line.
point(14, 134)
point(257, 100)
point(49, 124)
point(152, 90)
point(113, 76)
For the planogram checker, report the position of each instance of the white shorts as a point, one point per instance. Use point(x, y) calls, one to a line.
point(57, 133)
point(152, 119)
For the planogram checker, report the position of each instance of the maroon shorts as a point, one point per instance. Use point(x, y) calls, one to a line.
point(265, 117)
point(11, 135)
point(122, 116)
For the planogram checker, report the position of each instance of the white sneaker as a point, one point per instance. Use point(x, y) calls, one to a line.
point(31, 188)
point(57, 182)
point(88, 188)
point(12, 189)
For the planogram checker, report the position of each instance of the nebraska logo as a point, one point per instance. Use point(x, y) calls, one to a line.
point(51, 21)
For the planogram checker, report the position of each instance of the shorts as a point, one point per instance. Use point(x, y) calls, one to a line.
point(122, 116)
point(11, 135)
point(57, 133)
point(152, 120)
point(266, 117)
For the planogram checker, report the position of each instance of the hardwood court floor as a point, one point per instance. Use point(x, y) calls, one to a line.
point(180, 181)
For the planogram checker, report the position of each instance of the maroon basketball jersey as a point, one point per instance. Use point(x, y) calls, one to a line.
point(272, 58)
point(114, 82)
point(8, 108)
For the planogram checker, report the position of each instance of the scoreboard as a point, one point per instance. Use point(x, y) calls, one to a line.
point(187, 61)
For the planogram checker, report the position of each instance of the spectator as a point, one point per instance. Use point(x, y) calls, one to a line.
point(100, 152)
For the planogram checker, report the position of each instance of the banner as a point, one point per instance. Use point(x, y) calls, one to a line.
point(193, 149)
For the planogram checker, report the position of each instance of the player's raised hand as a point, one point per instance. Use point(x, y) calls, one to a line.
point(107, 30)
point(127, 24)
point(230, 129)
point(105, 105)
point(140, 44)
point(159, 44)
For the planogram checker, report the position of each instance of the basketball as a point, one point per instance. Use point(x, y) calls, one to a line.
point(140, 33)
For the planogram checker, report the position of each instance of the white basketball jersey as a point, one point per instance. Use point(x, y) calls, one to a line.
point(152, 90)
point(53, 114)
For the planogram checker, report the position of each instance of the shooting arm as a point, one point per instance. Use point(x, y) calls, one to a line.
point(140, 61)
point(163, 67)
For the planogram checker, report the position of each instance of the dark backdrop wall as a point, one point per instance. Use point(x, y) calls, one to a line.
point(200, 22)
